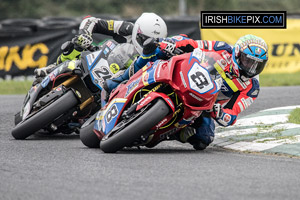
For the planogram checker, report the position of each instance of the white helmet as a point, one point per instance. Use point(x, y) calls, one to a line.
point(148, 25)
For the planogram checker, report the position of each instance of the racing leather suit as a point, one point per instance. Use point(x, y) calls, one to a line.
point(123, 54)
point(235, 95)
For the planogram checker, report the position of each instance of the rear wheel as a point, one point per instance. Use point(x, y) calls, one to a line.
point(88, 137)
point(45, 116)
point(132, 131)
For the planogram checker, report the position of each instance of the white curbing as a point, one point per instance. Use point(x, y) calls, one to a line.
point(262, 123)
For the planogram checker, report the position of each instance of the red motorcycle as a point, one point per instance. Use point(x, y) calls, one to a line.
point(158, 101)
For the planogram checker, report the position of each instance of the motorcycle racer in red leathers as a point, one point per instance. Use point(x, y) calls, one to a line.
point(239, 69)
point(240, 66)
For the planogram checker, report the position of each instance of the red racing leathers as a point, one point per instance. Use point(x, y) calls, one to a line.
point(235, 95)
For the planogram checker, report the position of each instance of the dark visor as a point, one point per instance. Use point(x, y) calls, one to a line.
point(251, 66)
point(140, 38)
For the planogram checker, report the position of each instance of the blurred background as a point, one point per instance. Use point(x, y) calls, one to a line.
point(32, 31)
point(133, 8)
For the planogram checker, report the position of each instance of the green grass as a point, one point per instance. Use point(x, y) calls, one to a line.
point(266, 80)
point(14, 87)
point(294, 117)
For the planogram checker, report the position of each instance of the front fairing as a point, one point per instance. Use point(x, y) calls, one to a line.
point(47, 82)
point(194, 77)
point(99, 65)
point(190, 76)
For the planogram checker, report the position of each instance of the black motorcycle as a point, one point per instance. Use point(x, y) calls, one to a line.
point(66, 97)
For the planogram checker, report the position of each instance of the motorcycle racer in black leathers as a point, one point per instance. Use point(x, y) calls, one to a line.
point(129, 37)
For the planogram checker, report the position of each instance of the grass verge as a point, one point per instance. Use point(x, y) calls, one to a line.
point(294, 117)
point(266, 80)
point(14, 87)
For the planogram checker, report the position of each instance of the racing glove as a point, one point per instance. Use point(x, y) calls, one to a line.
point(221, 116)
point(217, 111)
point(168, 46)
point(84, 41)
point(149, 46)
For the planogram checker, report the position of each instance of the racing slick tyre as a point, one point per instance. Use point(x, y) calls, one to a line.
point(44, 116)
point(135, 129)
point(88, 137)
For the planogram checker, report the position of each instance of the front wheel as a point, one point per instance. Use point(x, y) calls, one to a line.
point(135, 129)
point(45, 116)
point(88, 137)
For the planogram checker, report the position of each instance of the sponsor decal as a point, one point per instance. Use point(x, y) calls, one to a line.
point(92, 57)
point(58, 89)
point(45, 81)
point(52, 76)
point(114, 67)
point(132, 86)
point(220, 44)
point(255, 93)
point(226, 56)
point(162, 122)
point(78, 94)
point(108, 43)
point(177, 37)
point(106, 50)
point(145, 101)
point(182, 79)
point(227, 118)
point(198, 54)
point(112, 46)
point(195, 97)
point(223, 62)
point(145, 78)
point(110, 25)
point(34, 88)
point(235, 69)
point(245, 103)
point(258, 51)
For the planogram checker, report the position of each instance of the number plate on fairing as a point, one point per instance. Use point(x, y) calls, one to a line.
point(106, 119)
point(199, 79)
point(99, 68)
point(101, 72)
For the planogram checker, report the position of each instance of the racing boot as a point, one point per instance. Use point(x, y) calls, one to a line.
point(184, 134)
point(197, 143)
point(205, 133)
point(199, 135)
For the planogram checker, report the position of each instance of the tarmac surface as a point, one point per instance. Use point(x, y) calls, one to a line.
point(61, 167)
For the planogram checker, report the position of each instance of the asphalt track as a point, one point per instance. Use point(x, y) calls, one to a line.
point(60, 167)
